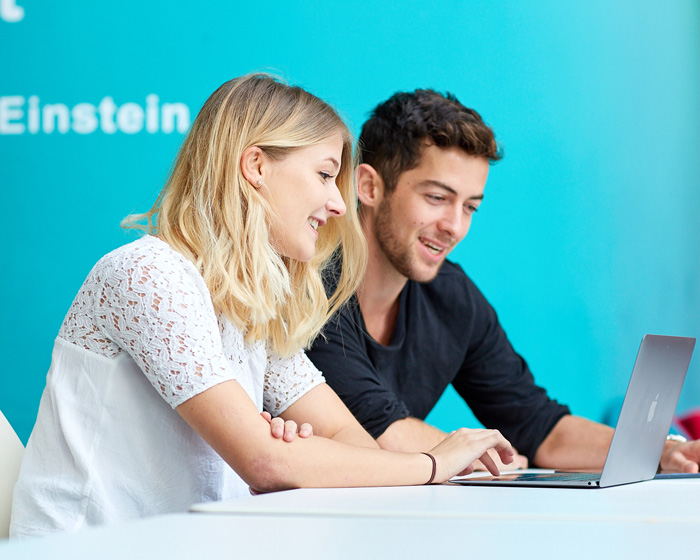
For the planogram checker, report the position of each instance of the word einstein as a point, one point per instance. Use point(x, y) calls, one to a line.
point(19, 116)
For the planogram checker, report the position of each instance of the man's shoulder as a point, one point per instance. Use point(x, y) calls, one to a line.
point(452, 291)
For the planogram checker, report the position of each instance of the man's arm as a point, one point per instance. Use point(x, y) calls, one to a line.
point(342, 357)
point(577, 443)
point(574, 443)
point(371, 401)
point(410, 435)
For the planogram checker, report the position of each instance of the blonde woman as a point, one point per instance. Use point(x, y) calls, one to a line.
point(176, 342)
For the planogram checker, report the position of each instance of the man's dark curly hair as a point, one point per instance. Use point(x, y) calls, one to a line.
point(393, 138)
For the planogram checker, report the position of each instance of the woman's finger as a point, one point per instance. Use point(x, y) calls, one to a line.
point(489, 463)
point(290, 430)
point(306, 430)
point(277, 427)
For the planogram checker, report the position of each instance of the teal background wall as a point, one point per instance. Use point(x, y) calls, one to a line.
point(589, 236)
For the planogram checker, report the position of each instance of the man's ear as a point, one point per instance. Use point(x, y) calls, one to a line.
point(370, 186)
point(252, 164)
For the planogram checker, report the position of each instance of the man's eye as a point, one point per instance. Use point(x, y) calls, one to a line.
point(435, 198)
point(472, 209)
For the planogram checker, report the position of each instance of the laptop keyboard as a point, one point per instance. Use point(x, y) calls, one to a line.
point(561, 476)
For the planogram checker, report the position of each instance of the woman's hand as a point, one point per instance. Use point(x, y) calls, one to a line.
point(287, 431)
point(519, 462)
point(456, 454)
point(226, 418)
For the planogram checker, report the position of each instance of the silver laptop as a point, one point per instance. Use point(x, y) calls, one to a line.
point(642, 427)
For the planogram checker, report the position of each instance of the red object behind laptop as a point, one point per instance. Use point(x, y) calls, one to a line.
point(690, 422)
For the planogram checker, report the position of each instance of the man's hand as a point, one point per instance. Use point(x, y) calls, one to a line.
point(287, 431)
point(681, 457)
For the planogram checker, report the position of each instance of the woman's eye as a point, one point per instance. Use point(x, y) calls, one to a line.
point(325, 176)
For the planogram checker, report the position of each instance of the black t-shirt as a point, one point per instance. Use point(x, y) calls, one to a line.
point(446, 332)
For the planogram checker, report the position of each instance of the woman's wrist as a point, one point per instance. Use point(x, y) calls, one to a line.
point(433, 467)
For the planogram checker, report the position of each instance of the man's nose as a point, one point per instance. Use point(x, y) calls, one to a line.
point(454, 222)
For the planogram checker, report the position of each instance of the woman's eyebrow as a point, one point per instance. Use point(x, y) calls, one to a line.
point(333, 161)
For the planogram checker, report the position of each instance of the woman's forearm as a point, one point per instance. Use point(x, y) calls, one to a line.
point(228, 420)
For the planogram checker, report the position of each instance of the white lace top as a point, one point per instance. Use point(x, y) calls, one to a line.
point(140, 338)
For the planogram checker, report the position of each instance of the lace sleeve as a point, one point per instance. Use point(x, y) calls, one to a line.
point(157, 308)
point(287, 379)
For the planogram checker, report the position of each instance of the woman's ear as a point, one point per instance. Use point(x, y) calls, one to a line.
point(251, 165)
point(370, 186)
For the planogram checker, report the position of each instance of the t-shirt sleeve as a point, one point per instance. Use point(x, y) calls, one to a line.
point(158, 310)
point(287, 379)
point(498, 386)
point(341, 354)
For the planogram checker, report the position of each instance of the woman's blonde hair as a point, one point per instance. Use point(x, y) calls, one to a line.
point(211, 214)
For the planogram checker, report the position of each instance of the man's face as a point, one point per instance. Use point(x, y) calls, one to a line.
point(430, 211)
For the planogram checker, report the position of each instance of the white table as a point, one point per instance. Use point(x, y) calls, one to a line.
point(651, 519)
point(653, 501)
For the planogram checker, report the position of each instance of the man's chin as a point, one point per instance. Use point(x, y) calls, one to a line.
point(414, 268)
point(426, 274)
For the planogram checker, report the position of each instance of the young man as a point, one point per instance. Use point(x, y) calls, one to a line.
point(418, 323)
